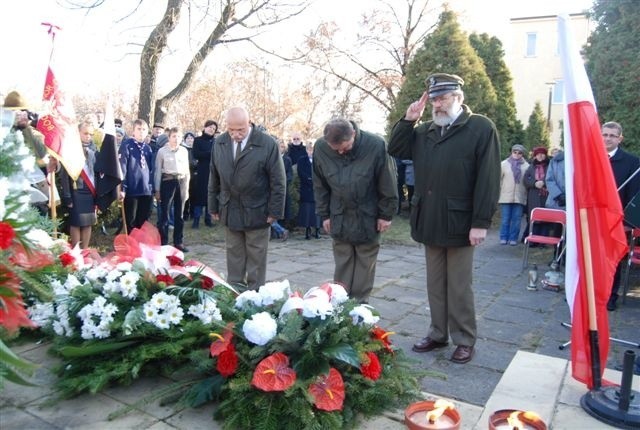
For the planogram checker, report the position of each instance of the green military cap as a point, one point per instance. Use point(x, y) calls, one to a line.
point(15, 101)
point(442, 83)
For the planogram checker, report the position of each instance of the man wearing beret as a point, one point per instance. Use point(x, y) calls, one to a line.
point(456, 158)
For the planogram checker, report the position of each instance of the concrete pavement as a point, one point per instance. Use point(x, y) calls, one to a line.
point(510, 319)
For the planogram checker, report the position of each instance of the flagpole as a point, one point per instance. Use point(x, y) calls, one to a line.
point(52, 202)
point(124, 219)
point(591, 301)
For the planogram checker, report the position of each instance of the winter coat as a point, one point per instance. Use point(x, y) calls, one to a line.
point(246, 192)
point(201, 152)
point(457, 176)
point(536, 197)
point(555, 183)
point(624, 165)
point(305, 174)
point(136, 161)
point(510, 192)
point(296, 151)
point(355, 189)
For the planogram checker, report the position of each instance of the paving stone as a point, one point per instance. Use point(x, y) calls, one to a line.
point(136, 393)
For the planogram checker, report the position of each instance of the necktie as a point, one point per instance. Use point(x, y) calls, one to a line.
point(238, 151)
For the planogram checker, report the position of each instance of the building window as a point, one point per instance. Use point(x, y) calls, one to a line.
point(558, 92)
point(531, 44)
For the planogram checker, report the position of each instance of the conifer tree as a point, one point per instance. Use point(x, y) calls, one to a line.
point(446, 50)
point(489, 48)
point(537, 132)
point(613, 65)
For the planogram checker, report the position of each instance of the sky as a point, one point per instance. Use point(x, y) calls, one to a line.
point(96, 53)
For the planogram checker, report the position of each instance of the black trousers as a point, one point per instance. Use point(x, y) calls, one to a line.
point(172, 195)
point(137, 210)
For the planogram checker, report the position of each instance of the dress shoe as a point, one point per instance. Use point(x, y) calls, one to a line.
point(427, 344)
point(462, 354)
point(611, 305)
point(317, 233)
point(181, 248)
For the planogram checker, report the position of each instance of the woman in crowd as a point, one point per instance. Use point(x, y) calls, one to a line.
point(513, 195)
point(307, 217)
point(535, 183)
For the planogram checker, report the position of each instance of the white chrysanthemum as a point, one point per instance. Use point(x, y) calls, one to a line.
point(71, 283)
point(162, 322)
point(292, 303)
point(249, 296)
point(338, 294)
point(124, 266)
point(96, 319)
point(174, 314)
point(41, 314)
point(273, 291)
point(317, 306)
point(113, 275)
point(95, 273)
point(260, 329)
point(58, 288)
point(62, 325)
point(40, 238)
point(129, 284)
point(362, 315)
point(111, 287)
point(206, 312)
point(160, 300)
point(150, 312)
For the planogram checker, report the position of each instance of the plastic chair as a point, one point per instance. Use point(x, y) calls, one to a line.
point(544, 215)
point(632, 258)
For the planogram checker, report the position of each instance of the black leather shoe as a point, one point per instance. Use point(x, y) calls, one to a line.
point(181, 248)
point(427, 344)
point(611, 305)
point(463, 354)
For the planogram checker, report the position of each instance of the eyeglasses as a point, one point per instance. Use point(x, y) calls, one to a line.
point(440, 99)
point(296, 138)
point(613, 136)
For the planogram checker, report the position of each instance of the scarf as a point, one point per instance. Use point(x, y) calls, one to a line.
point(515, 168)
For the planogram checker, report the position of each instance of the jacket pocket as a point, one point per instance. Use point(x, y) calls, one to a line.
point(459, 213)
point(254, 213)
point(414, 220)
point(223, 206)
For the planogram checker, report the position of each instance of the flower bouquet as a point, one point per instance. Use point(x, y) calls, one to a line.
point(312, 361)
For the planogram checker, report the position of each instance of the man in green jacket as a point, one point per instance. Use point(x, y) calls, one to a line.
point(246, 193)
point(457, 181)
point(354, 183)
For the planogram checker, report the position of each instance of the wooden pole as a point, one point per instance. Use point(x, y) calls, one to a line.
point(591, 300)
point(52, 202)
point(124, 219)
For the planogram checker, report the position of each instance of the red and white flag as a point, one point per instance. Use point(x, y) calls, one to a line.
point(59, 125)
point(595, 235)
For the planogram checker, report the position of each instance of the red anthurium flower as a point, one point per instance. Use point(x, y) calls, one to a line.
point(328, 391)
point(7, 233)
point(166, 278)
point(221, 343)
point(31, 260)
point(227, 361)
point(383, 336)
point(13, 314)
point(273, 373)
point(371, 367)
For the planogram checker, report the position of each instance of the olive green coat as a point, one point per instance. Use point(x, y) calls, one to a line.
point(457, 176)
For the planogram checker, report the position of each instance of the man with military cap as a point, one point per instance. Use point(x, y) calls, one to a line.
point(456, 157)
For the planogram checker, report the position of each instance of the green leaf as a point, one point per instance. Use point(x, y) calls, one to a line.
point(132, 321)
point(94, 348)
point(343, 352)
point(8, 358)
point(12, 376)
point(204, 391)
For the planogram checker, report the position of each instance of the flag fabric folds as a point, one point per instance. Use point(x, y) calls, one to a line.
point(595, 235)
point(108, 171)
point(59, 127)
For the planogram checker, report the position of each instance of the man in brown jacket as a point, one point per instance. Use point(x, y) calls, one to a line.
point(457, 180)
point(246, 194)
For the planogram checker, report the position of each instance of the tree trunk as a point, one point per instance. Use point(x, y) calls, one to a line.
point(150, 57)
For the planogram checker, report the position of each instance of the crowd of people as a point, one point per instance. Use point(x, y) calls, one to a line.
point(350, 185)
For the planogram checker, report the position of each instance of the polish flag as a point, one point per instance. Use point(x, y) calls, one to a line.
point(595, 236)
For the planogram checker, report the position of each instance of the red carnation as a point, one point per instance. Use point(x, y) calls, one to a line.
point(206, 283)
point(371, 369)
point(328, 391)
point(67, 259)
point(227, 361)
point(273, 373)
point(166, 278)
point(7, 233)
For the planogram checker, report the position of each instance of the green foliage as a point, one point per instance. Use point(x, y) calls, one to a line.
point(613, 65)
point(537, 132)
point(447, 50)
point(489, 48)
point(13, 368)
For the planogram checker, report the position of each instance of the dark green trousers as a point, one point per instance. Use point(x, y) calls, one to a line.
point(247, 256)
point(356, 267)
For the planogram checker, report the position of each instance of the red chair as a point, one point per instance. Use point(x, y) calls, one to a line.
point(632, 258)
point(544, 215)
